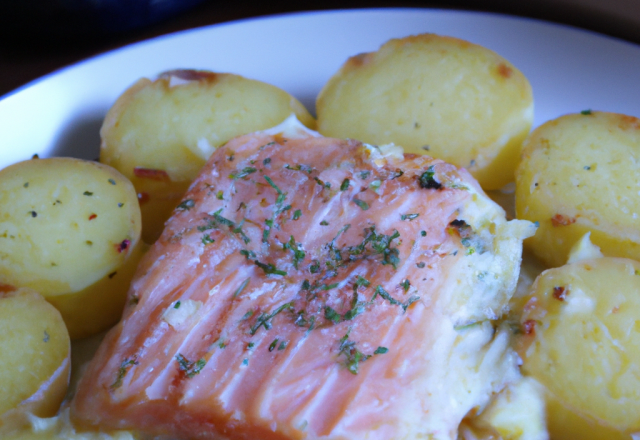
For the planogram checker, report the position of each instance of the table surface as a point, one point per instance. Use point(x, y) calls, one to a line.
point(25, 57)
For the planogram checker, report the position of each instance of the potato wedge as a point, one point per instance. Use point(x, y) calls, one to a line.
point(579, 174)
point(433, 95)
point(70, 229)
point(160, 133)
point(581, 342)
point(35, 357)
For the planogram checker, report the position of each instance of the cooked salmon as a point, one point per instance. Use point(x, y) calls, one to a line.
point(313, 288)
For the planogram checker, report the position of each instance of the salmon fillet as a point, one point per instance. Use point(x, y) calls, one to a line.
point(313, 288)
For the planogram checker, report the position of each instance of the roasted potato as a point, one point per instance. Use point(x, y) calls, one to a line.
point(579, 174)
point(160, 133)
point(70, 229)
point(580, 339)
point(34, 358)
point(433, 95)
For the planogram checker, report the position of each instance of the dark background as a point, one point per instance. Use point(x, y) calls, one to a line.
point(40, 36)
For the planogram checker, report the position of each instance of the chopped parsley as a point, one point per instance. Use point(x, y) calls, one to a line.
point(264, 320)
point(408, 216)
point(241, 288)
point(269, 269)
point(246, 171)
point(186, 205)
point(87, 193)
point(298, 253)
point(206, 239)
point(126, 364)
point(345, 185)
point(361, 204)
point(427, 179)
point(297, 214)
point(190, 369)
point(586, 112)
point(176, 305)
point(384, 294)
point(111, 181)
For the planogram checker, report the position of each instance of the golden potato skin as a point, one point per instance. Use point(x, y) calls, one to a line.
point(160, 133)
point(70, 229)
point(581, 341)
point(35, 358)
point(578, 174)
point(437, 95)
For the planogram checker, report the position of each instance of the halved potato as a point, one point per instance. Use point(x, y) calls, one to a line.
point(70, 229)
point(433, 95)
point(160, 133)
point(579, 174)
point(581, 341)
point(35, 358)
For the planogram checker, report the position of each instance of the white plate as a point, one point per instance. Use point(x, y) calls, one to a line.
point(570, 70)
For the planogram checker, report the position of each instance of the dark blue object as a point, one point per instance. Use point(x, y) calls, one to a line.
point(75, 18)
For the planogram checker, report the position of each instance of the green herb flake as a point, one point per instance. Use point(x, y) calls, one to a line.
point(587, 168)
point(246, 171)
point(332, 315)
point(381, 350)
point(26, 185)
point(186, 205)
point(324, 223)
point(46, 337)
point(269, 269)
point(219, 195)
point(87, 193)
point(264, 320)
point(246, 316)
point(125, 365)
point(375, 185)
point(250, 345)
point(323, 184)
point(315, 267)
point(384, 294)
point(190, 368)
point(297, 214)
point(345, 185)
point(283, 345)
point(176, 305)
point(427, 179)
point(405, 284)
point(247, 254)
point(273, 344)
point(267, 161)
point(245, 362)
point(241, 288)
point(362, 282)
point(352, 357)
point(111, 181)
point(408, 216)
point(361, 204)
point(206, 239)
point(296, 248)
point(586, 112)
point(364, 174)
point(120, 205)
